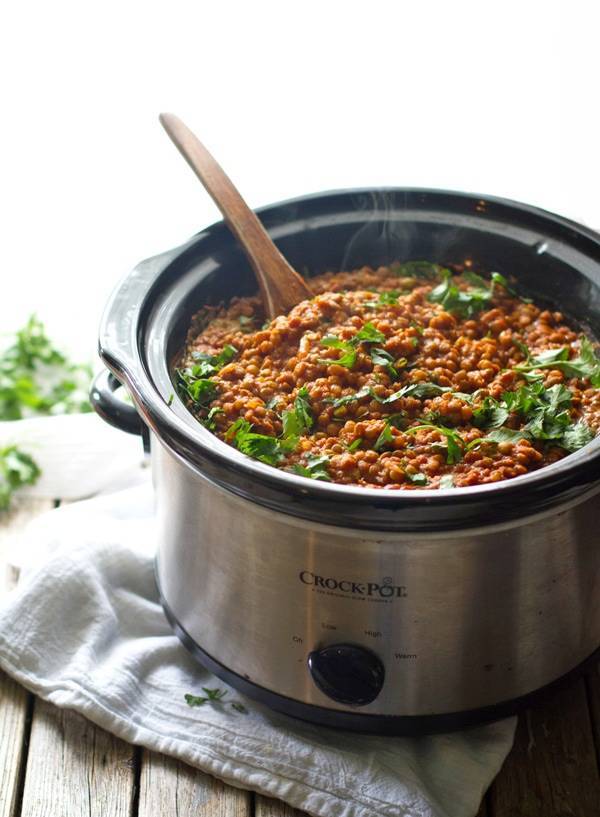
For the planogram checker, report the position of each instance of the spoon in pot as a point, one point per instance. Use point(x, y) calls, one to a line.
point(280, 285)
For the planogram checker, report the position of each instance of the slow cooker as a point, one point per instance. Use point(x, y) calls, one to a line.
point(389, 612)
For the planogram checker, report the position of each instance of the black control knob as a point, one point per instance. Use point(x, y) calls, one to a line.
point(347, 673)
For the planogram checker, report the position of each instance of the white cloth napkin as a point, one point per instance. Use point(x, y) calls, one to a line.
point(84, 630)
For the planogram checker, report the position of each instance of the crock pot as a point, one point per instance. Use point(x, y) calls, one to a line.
point(389, 612)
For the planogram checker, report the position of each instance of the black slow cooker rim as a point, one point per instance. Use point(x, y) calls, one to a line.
point(423, 510)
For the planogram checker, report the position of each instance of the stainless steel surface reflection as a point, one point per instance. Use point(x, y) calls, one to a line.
point(460, 621)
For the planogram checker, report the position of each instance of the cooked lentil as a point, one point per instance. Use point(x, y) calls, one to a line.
point(408, 376)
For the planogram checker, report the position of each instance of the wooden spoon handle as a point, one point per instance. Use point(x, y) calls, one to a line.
point(280, 285)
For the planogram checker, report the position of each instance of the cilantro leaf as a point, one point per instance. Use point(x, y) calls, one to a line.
point(585, 365)
point(387, 298)
point(368, 334)
point(315, 468)
point(207, 365)
point(576, 436)
point(418, 269)
point(36, 378)
point(454, 442)
point(16, 469)
point(258, 446)
point(463, 302)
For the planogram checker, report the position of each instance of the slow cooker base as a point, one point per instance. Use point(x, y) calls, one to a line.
point(407, 725)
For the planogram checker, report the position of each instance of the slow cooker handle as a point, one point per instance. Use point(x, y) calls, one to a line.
point(110, 407)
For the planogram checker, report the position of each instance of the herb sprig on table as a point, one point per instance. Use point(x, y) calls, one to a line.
point(36, 379)
point(214, 696)
point(16, 469)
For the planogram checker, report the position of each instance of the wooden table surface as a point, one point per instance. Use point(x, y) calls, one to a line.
point(54, 763)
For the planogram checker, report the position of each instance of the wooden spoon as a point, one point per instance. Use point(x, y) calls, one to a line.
point(280, 285)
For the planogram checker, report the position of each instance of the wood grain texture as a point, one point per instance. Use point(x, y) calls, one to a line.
point(13, 732)
point(280, 285)
point(267, 807)
point(75, 768)
point(551, 771)
point(169, 787)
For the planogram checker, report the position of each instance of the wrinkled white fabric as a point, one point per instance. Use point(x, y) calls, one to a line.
point(79, 454)
point(85, 631)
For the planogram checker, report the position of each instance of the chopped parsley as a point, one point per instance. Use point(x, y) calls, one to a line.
point(585, 365)
point(368, 334)
point(16, 469)
point(387, 298)
point(269, 450)
point(207, 365)
point(545, 412)
point(315, 468)
point(418, 269)
point(463, 302)
point(36, 378)
point(455, 445)
point(213, 696)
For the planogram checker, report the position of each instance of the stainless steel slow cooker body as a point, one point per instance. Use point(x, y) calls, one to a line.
point(381, 611)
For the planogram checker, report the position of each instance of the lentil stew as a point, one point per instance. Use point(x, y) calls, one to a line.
point(404, 377)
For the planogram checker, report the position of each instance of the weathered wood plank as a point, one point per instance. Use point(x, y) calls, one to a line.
point(551, 771)
point(75, 768)
point(169, 787)
point(13, 732)
point(267, 807)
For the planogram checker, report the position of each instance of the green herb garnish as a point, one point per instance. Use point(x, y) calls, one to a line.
point(455, 445)
point(213, 696)
point(368, 334)
point(387, 298)
point(269, 450)
point(16, 469)
point(463, 302)
point(36, 378)
point(418, 269)
point(207, 365)
point(585, 365)
point(209, 421)
point(354, 444)
point(315, 468)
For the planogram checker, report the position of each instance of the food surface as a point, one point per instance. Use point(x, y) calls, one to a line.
point(406, 377)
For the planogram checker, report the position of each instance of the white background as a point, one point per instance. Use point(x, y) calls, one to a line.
point(499, 98)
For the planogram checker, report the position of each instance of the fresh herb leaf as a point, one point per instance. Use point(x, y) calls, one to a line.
point(315, 468)
point(420, 391)
point(490, 414)
point(36, 378)
point(302, 408)
point(418, 269)
point(207, 365)
point(463, 302)
point(170, 400)
point(576, 436)
point(348, 398)
point(585, 365)
point(508, 435)
point(214, 696)
point(497, 278)
point(382, 358)
point(385, 438)
point(209, 421)
point(272, 403)
point(454, 442)
point(258, 446)
point(354, 444)
point(387, 298)
point(368, 334)
point(16, 469)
